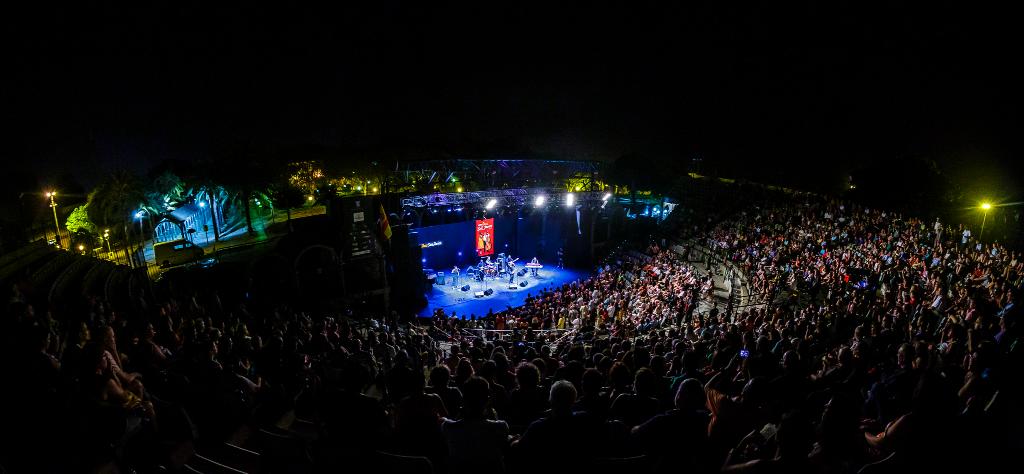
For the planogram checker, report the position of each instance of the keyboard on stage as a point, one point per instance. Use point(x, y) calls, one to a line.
point(534, 265)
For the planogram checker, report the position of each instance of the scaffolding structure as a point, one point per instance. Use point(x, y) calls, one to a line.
point(510, 197)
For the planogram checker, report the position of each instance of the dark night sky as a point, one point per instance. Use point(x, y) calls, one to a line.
point(788, 91)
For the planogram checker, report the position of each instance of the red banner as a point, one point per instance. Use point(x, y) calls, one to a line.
point(484, 237)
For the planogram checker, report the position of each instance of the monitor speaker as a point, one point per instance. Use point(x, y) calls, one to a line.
point(522, 272)
point(488, 292)
point(523, 283)
point(479, 294)
point(465, 287)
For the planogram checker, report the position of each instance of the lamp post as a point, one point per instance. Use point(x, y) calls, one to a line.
point(142, 235)
point(984, 207)
point(106, 236)
point(56, 223)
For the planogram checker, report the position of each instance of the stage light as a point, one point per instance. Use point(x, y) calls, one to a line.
point(359, 188)
point(986, 206)
point(538, 201)
point(460, 254)
point(458, 189)
point(570, 199)
point(374, 189)
point(606, 197)
point(202, 204)
point(490, 204)
point(309, 198)
point(424, 260)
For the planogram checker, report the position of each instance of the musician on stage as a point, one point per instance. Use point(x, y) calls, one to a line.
point(512, 270)
point(455, 276)
point(533, 271)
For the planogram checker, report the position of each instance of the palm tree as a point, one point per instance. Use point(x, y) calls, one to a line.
point(245, 174)
point(115, 199)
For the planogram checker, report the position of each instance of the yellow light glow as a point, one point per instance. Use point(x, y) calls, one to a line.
point(81, 247)
point(309, 198)
point(986, 206)
point(375, 189)
point(458, 189)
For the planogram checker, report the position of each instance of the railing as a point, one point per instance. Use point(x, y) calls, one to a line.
point(700, 252)
point(510, 334)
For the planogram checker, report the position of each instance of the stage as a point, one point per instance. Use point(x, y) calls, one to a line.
point(464, 303)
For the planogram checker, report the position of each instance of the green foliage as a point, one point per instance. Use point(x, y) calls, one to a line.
point(115, 199)
point(79, 221)
point(287, 196)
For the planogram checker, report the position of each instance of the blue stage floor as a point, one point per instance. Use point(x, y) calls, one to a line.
point(464, 303)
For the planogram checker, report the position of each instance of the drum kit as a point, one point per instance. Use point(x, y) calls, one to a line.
point(492, 270)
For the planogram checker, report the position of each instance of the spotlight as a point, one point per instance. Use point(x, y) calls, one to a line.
point(490, 204)
point(202, 204)
point(458, 189)
point(538, 201)
point(570, 199)
point(606, 197)
point(423, 260)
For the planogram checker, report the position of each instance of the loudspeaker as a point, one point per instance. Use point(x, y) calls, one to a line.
point(522, 272)
point(465, 287)
point(488, 292)
point(523, 283)
point(479, 294)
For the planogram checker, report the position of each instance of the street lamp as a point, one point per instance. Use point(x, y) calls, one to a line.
point(56, 223)
point(106, 236)
point(984, 207)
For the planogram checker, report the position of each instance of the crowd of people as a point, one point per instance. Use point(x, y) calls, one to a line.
point(632, 292)
point(887, 344)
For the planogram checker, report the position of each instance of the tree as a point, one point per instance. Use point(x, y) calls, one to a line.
point(245, 174)
point(79, 221)
point(115, 200)
point(287, 196)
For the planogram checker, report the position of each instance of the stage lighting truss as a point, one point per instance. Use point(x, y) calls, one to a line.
point(513, 197)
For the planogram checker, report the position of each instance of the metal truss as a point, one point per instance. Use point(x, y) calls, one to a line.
point(504, 197)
